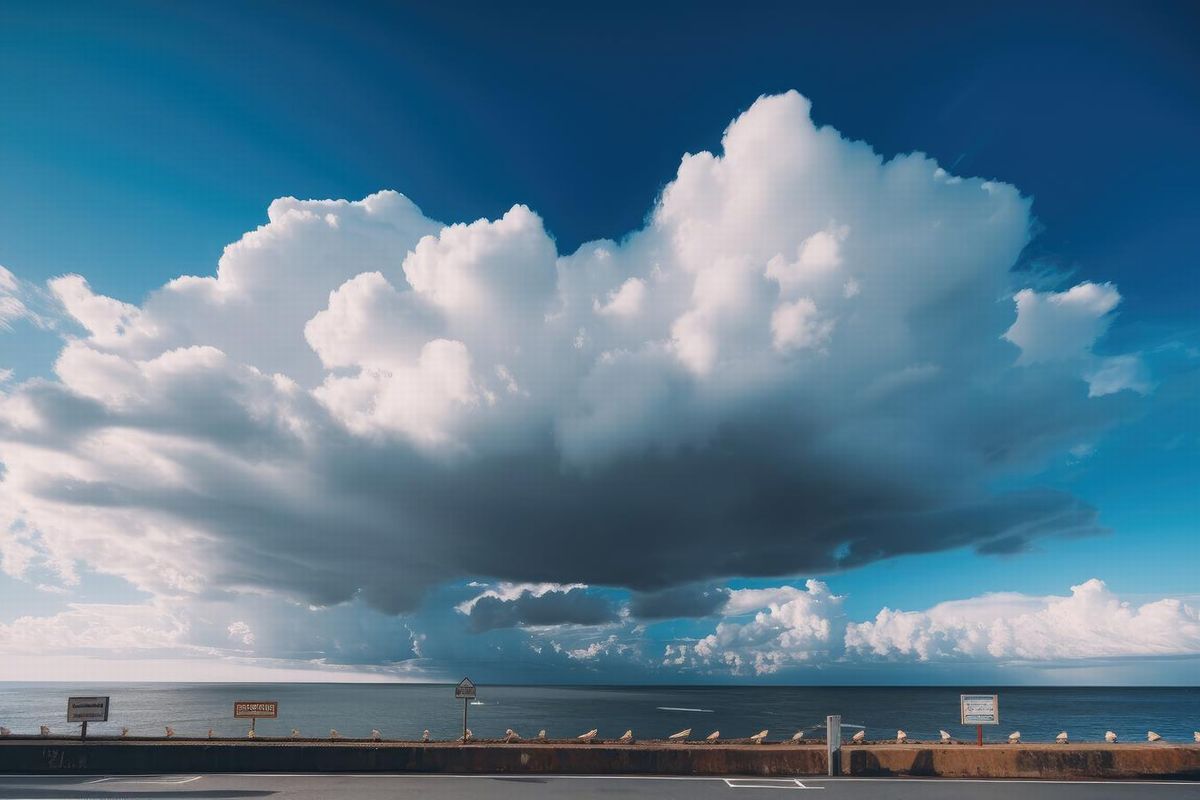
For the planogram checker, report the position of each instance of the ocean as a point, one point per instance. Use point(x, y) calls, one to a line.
point(403, 711)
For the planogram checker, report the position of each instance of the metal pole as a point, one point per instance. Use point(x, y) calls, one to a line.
point(833, 743)
point(979, 734)
point(252, 721)
point(466, 702)
point(83, 733)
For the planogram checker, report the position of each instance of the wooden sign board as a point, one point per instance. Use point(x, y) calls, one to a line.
point(465, 690)
point(256, 709)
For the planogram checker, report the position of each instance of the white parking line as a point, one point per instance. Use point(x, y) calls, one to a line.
point(767, 783)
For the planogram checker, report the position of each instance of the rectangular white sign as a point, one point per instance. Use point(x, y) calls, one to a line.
point(87, 709)
point(980, 709)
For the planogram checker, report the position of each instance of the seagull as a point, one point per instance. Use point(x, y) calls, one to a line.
point(587, 737)
point(683, 734)
point(170, 731)
point(469, 735)
point(124, 732)
point(542, 735)
point(1062, 738)
point(295, 733)
point(376, 735)
point(210, 733)
point(858, 737)
point(712, 737)
point(511, 736)
point(333, 734)
point(901, 737)
point(626, 737)
point(1110, 737)
point(797, 736)
point(5, 731)
point(1014, 737)
point(1196, 736)
point(44, 730)
point(425, 735)
point(946, 738)
point(1151, 736)
point(250, 734)
point(758, 737)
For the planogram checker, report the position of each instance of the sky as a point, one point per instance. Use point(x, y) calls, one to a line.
point(785, 343)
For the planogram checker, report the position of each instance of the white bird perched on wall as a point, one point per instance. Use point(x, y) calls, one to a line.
point(1062, 738)
point(683, 734)
point(1196, 736)
point(712, 737)
point(5, 731)
point(511, 736)
point(758, 737)
point(797, 736)
point(1110, 737)
point(626, 737)
point(425, 735)
point(170, 731)
point(946, 738)
point(44, 730)
point(210, 733)
point(1151, 736)
point(250, 734)
point(295, 733)
point(587, 737)
point(901, 737)
point(333, 734)
point(542, 735)
point(376, 735)
point(469, 735)
point(1014, 737)
point(124, 732)
point(858, 737)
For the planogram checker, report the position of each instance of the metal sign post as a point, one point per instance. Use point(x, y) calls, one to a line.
point(466, 691)
point(979, 710)
point(833, 743)
point(85, 710)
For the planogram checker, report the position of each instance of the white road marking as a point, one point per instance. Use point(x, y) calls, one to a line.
point(120, 779)
point(767, 783)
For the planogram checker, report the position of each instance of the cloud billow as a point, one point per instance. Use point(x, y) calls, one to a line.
point(797, 365)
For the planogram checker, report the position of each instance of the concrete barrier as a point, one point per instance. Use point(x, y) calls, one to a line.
point(118, 756)
point(1059, 761)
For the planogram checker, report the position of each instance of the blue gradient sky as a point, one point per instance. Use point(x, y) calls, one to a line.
point(137, 140)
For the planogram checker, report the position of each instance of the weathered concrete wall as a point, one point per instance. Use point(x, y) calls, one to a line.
point(1026, 761)
point(176, 756)
point(35, 755)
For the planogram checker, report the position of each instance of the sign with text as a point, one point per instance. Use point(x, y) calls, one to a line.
point(256, 709)
point(465, 690)
point(980, 709)
point(87, 709)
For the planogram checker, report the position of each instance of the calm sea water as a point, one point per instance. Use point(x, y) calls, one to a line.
point(403, 711)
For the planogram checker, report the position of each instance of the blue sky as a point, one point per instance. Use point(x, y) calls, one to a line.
point(139, 140)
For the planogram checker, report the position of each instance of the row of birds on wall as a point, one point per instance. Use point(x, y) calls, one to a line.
point(627, 738)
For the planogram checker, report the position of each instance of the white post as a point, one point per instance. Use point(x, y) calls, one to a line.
point(833, 743)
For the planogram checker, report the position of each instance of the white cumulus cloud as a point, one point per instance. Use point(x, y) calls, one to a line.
point(795, 365)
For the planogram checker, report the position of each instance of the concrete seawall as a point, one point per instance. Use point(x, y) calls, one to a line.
point(115, 756)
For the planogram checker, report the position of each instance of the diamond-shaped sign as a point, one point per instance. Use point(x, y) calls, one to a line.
point(465, 690)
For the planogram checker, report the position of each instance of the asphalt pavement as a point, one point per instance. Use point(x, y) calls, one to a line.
point(543, 787)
